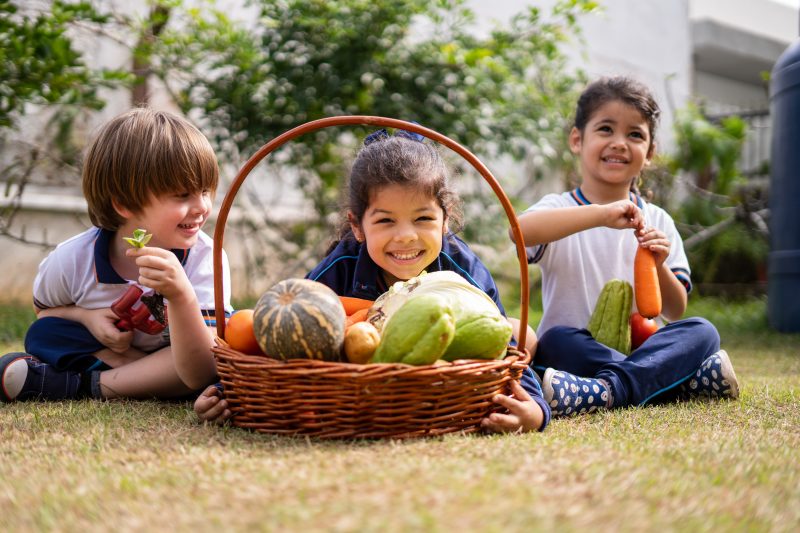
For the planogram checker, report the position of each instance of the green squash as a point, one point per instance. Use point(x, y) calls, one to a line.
point(610, 323)
point(418, 333)
point(300, 319)
point(481, 331)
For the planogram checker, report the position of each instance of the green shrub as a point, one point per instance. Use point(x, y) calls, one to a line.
point(743, 316)
point(719, 219)
point(15, 320)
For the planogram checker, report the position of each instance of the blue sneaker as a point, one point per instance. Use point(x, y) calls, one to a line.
point(714, 379)
point(570, 395)
point(23, 377)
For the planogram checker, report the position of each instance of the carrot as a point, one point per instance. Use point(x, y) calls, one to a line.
point(645, 283)
point(358, 316)
point(351, 305)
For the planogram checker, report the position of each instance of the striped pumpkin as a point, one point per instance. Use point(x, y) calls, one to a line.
point(300, 319)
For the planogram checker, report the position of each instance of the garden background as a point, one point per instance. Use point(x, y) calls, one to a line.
point(506, 91)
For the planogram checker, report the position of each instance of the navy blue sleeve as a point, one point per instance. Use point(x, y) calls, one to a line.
point(487, 284)
point(463, 261)
point(532, 387)
point(331, 273)
point(336, 270)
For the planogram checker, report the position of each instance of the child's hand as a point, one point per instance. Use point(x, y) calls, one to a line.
point(656, 241)
point(623, 214)
point(161, 271)
point(524, 414)
point(100, 323)
point(210, 406)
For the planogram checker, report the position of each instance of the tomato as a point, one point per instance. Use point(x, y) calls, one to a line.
point(239, 332)
point(641, 329)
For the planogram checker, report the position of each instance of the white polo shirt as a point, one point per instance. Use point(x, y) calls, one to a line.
point(79, 272)
point(575, 268)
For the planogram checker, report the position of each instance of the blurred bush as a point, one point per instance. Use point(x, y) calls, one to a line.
point(723, 215)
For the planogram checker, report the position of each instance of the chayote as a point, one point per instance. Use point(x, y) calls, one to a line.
point(418, 333)
point(479, 337)
point(482, 332)
point(610, 322)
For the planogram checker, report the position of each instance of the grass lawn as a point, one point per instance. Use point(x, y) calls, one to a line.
point(699, 466)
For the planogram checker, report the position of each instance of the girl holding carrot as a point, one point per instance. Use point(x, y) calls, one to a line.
point(584, 238)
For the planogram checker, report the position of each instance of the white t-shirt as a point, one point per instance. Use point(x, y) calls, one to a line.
point(79, 272)
point(575, 268)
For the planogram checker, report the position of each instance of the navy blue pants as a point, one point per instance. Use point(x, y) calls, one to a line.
point(64, 344)
point(651, 374)
point(68, 345)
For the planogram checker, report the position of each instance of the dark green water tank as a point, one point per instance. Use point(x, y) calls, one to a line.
point(784, 197)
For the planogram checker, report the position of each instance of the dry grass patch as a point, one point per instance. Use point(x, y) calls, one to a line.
point(699, 466)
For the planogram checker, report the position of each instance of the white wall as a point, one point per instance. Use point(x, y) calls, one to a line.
point(651, 40)
point(727, 95)
point(646, 40)
point(767, 18)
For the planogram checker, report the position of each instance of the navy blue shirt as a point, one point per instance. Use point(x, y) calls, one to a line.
point(350, 271)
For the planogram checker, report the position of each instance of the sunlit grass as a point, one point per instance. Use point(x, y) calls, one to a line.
point(697, 466)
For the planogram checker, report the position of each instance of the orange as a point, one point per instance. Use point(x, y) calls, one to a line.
point(239, 332)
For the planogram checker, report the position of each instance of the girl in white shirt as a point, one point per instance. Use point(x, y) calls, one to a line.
point(584, 238)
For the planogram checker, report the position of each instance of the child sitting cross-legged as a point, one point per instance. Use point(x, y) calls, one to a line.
point(144, 169)
point(586, 237)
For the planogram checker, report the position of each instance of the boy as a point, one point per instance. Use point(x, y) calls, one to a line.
point(145, 169)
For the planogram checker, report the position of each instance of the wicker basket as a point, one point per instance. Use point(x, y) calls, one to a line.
point(343, 400)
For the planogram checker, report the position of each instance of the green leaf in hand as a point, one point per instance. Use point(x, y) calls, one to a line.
point(140, 238)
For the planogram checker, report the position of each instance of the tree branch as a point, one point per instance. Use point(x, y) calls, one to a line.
point(702, 236)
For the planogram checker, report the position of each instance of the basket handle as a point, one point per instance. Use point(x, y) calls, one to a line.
point(314, 125)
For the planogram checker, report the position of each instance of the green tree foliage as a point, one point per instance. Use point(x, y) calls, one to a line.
point(41, 69)
point(710, 151)
point(246, 79)
point(38, 63)
point(507, 93)
point(724, 214)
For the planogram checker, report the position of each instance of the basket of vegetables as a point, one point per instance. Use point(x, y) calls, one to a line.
point(424, 359)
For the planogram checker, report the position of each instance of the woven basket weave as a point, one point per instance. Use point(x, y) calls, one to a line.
point(343, 400)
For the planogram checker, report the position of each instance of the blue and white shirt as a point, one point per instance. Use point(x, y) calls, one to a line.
point(575, 268)
point(79, 272)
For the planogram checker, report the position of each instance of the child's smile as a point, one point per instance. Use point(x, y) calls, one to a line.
point(175, 220)
point(403, 260)
point(403, 231)
point(613, 159)
point(406, 257)
point(190, 229)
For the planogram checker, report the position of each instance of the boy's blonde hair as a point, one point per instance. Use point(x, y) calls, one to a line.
point(141, 154)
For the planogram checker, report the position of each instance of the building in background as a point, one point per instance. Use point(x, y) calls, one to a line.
point(734, 45)
point(715, 52)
